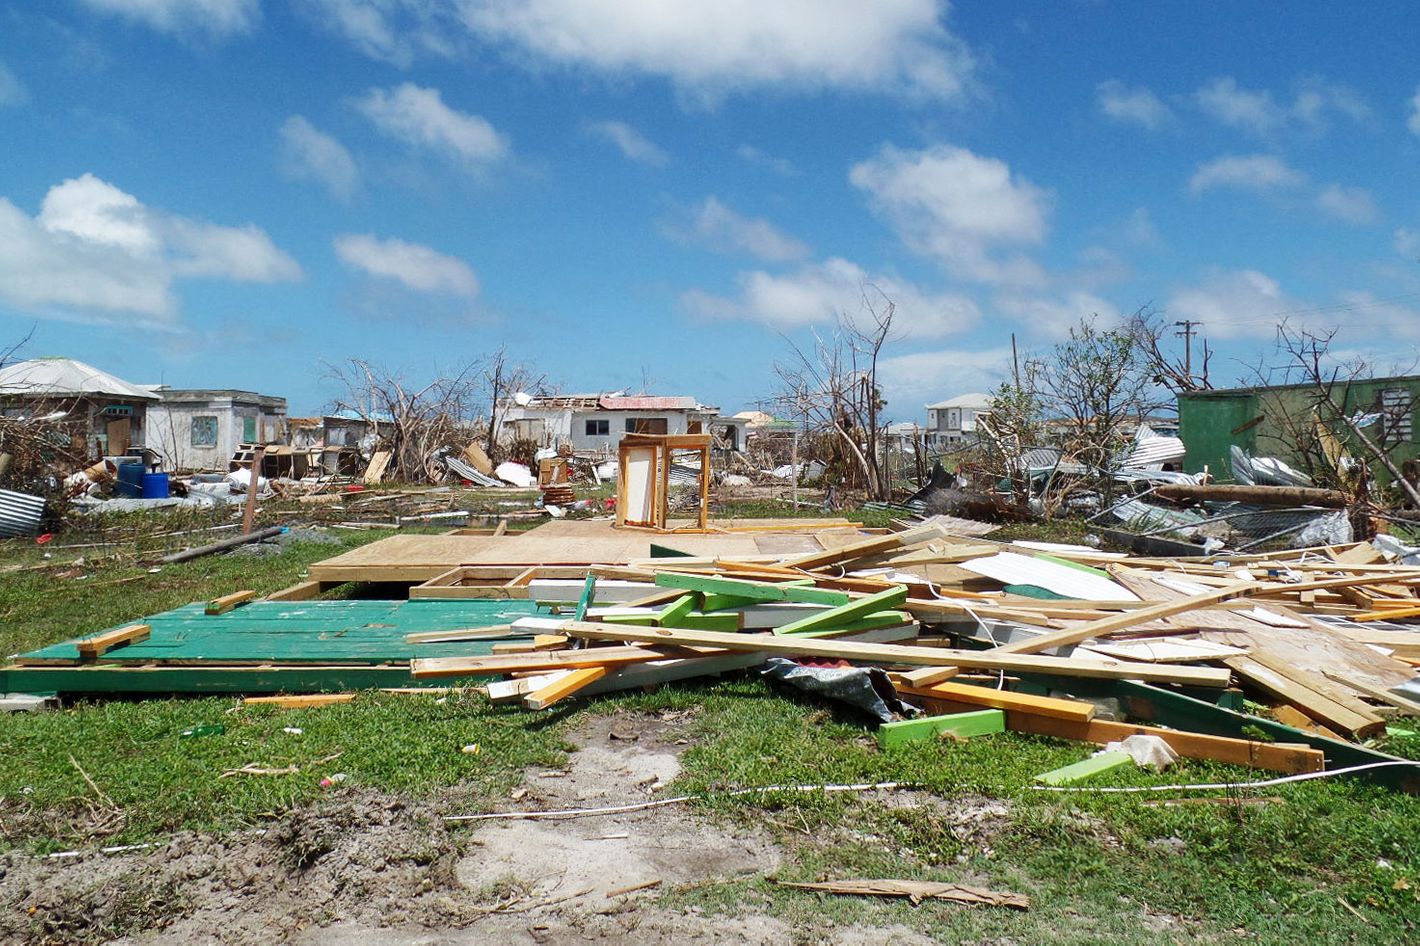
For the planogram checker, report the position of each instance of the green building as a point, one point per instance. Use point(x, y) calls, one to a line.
point(1282, 421)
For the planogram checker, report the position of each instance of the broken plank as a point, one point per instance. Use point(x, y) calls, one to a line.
point(563, 687)
point(227, 602)
point(1410, 707)
point(539, 642)
point(307, 701)
point(960, 725)
point(873, 546)
point(760, 590)
point(1314, 704)
point(899, 654)
point(91, 648)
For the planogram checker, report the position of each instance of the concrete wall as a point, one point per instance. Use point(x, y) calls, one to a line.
point(170, 431)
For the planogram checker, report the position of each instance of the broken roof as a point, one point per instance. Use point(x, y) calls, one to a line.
point(978, 401)
point(65, 377)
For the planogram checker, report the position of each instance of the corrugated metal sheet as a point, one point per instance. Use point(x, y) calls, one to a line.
point(19, 513)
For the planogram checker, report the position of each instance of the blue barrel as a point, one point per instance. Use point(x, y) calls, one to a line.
point(130, 480)
point(155, 486)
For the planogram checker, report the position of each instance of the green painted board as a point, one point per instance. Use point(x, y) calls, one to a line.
point(977, 723)
point(758, 590)
point(1086, 768)
point(589, 592)
point(845, 613)
point(673, 613)
point(866, 623)
point(718, 602)
point(727, 622)
point(304, 632)
point(103, 679)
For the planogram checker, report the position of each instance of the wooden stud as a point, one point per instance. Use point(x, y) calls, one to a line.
point(1077, 710)
point(899, 654)
point(1086, 768)
point(425, 667)
point(227, 602)
point(961, 725)
point(563, 687)
point(299, 702)
point(91, 648)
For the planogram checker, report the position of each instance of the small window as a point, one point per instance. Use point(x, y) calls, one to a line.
point(646, 425)
point(204, 431)
point(598, 428)
point(249, 430)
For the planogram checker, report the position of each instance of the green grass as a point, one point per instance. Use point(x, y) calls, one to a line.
point(1101, 868)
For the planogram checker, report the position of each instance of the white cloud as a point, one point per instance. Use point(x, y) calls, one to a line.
point(1232, 304)
point(95, 248)
point(415, 266)
point(1413, 122)
point(1139, 228)
point(213, 19)
point(821, 292)
point(630, 142)
point(1315, 103)
point(1054, 317)
point(755, 155)
point(1349, 204)
point(12, 90)
point(418, 117)
point(1250, 171)
point(916, 379)
point(393, 31)
point(712, 47)
point(1139, 106)
point(961, 208)
point(308, 153)
point(720, 228)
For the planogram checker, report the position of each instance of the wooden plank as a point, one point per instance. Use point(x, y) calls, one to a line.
point(425, 667)
point(898, 654)
point(589, 591)
point(763, 591)
point(1291, 716)
point(494, 632)
point(960, 725)
point(300, 702)
point(540, 642)
point(91, 648)
point(226, 603)
point(1271, 756)
point(674, 614)
point(846, 613)
point(865, 548)
point(563, 687)
point(1410, 707)
point(1086, 768)
point(301, 591)
point(1309, 701)
point(1107, 626)
point(1077, 710)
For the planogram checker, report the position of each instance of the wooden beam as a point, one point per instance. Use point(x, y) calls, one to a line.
point(423, 667)
point(1086, 768)
point(1247, 589)
point(301, 591)
point(873, 546)
point(563, 687)
point(1314, 704)
point(308, 701)
point(960, 725)
point(91, 648)
point(227, 602)
point(846, 613)
point(539, 643)
point(763, 591)
point(899, 654)
point(1077, 710)
point(495, 632)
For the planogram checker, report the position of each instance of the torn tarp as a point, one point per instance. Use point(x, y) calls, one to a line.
point(867, 688)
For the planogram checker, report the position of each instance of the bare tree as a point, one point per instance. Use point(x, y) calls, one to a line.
point(1174, 371)
point(500, 380)
point(410, 422)
point(1329, 401)
point(834, 389)
point(1014, 426)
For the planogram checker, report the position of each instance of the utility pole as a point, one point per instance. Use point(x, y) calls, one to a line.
point(1187, 335)
point(1015, 362)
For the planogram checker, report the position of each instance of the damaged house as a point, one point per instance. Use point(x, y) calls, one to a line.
point(595, 423)
point(198, 429)
point(103, 415)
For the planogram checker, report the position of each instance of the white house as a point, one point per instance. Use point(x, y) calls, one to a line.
point(594, 423)
point(200, 429)
point(955, 420)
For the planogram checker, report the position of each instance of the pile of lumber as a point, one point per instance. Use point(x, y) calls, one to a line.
point(1032, 634)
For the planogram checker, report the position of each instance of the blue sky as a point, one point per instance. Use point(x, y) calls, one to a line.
point(234, 193)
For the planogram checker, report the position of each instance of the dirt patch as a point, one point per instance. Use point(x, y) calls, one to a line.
point(359, 854)
point(578, 863)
